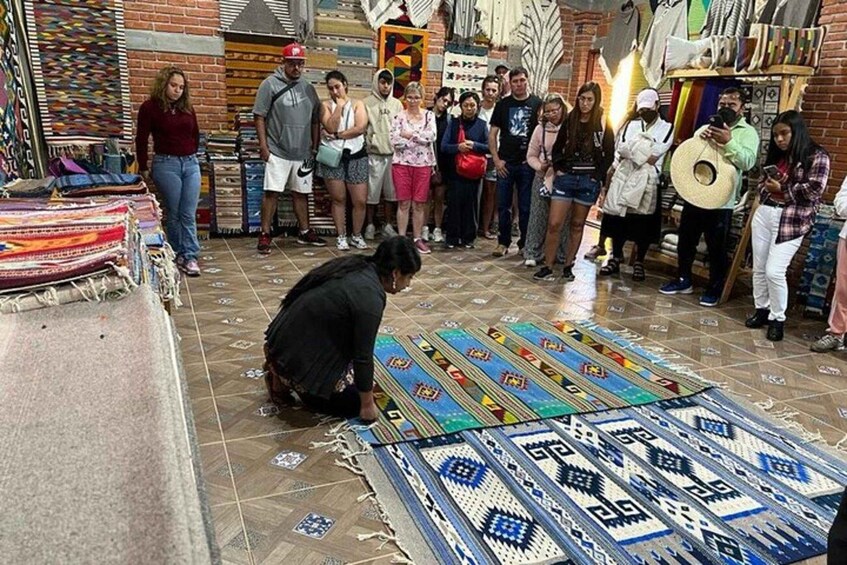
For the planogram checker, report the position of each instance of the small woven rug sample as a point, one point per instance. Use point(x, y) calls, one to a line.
point(699, 479)
point(460, 379)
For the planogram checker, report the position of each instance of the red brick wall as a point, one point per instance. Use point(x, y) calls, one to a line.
point(206, 75)
point(825, 104)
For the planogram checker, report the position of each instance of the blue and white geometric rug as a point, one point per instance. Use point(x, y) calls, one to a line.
point(688, 480)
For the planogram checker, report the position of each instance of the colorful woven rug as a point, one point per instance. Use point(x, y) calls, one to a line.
point(687, 480)
point(455, 380)
point(79, 49)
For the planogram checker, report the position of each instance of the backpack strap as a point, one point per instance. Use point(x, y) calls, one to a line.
point(276, 96)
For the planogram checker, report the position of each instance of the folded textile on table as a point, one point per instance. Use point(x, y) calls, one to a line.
point(28, 188)
point(699, 479)
point(73, 182)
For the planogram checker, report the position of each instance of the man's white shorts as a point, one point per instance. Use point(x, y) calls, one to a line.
point(380, 181)
point(281, 174)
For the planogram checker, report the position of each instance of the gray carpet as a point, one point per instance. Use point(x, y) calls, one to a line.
point(97, 462)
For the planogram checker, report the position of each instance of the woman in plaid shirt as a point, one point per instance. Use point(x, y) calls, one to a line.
point(790, 192)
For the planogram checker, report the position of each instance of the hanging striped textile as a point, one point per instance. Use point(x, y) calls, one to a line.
point(380, 11)
point(541, 32)
point(420, 11)
point(499, 19)
point(463, 18)
point(728, 18)
point(259, 17)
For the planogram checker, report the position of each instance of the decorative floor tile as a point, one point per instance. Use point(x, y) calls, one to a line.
point(241, 344)
point(842, 412)
point(828, 370)
point(709, 322)
point(773, 379)
point(659, 328)
point(253, 374)
point(763, 344)
point(288, 459)
point(510, 319)
point(314, 526)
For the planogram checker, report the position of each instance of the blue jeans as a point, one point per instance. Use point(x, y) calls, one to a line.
point(520, 176)
point(178, 181)
point(581, 189)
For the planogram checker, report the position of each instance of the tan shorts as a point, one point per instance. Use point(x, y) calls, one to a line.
point(380, 182)
point(281, 174)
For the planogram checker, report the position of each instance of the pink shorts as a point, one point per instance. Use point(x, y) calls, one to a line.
point(411, 183)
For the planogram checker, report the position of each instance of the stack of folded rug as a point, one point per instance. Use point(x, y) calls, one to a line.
point(100, 184)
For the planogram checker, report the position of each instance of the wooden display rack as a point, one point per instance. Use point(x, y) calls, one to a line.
point(792, 81)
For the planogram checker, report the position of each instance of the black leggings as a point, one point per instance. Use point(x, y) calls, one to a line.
point(623, 229)
point(344, 404)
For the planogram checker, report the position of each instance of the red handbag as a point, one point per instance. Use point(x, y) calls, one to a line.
point(470, 165)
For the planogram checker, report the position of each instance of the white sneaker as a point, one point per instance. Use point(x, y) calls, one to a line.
point(425, 233)
point(530, 263)
point(370, 231)
point(437, 236)
point(388, 231)
point(341, 243)
point(357, 242)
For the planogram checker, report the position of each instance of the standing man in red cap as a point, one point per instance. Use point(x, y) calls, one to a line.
point(287, 112)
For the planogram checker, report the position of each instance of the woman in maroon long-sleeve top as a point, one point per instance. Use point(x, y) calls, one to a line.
point(169, 116)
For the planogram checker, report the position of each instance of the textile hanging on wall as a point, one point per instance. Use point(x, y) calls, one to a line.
point(793, 13)
point(463, 20)
point(465, 67)
point(303, 15)
point(17, 159)
point(499, 20)
point(344, 41)
point(728, 18)
point(543, 46)
point(621, 40)
point(670, 20)
point(420, 11)
point(79, 50)
point(258, 17)
point(402, 50)
point(380, 11)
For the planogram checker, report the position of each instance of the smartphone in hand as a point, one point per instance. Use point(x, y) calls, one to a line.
point(772, 171)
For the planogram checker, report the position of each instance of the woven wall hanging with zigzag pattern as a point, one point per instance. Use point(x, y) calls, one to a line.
point(79, 65)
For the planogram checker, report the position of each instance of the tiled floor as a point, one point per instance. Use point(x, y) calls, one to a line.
point(275, 500)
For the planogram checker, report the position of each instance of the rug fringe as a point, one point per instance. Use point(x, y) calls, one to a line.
point(346, 442)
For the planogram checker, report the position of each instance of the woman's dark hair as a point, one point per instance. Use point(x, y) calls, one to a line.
point(337, 75)
point(469, 94)
point(397, 252)
point(491, 78)
point(595, 119)
point(446, 91)
point(802, 148)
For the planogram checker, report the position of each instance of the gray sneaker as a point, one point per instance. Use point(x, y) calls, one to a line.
point(828, 342)
point(388, 231)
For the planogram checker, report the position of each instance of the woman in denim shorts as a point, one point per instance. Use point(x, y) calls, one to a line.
point(582, 154)
point(343, 124)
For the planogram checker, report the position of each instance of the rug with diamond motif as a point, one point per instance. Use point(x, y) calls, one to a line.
point(459, 379)
point(699, 479)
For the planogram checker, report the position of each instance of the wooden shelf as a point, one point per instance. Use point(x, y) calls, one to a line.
point(728, 72)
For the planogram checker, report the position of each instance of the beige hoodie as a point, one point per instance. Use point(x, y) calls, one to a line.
point(381, 112)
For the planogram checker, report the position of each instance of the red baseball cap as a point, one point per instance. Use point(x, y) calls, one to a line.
point(294, 51)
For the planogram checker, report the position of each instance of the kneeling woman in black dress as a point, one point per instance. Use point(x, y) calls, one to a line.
point(327, 326)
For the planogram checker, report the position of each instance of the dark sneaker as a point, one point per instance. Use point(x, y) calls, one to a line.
point(677, 286)
point(311, 238)
point(759, 319)
point(545, 273)
point(567, 273)
point(191, 268)
point(776, 330)
point(709, 300)
point(264, 245)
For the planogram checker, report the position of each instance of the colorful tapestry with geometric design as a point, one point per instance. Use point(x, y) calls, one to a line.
point(688, 480)
point(403, 51)
point(454, 380)
point(79, 65)
point(17, 157)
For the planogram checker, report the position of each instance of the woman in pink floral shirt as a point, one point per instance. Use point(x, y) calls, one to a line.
point(412, 134)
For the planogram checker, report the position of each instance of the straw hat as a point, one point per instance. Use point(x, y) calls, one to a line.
point(702, 175)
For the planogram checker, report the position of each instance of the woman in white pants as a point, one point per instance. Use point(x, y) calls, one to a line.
point(795, 175)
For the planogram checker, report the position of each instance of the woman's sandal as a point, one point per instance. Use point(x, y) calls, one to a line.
point(612, 267)
point(638, 273)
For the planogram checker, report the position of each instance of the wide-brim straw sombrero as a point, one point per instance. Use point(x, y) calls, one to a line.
point(702, 175)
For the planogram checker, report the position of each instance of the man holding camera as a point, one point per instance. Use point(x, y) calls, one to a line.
point(738, 141)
